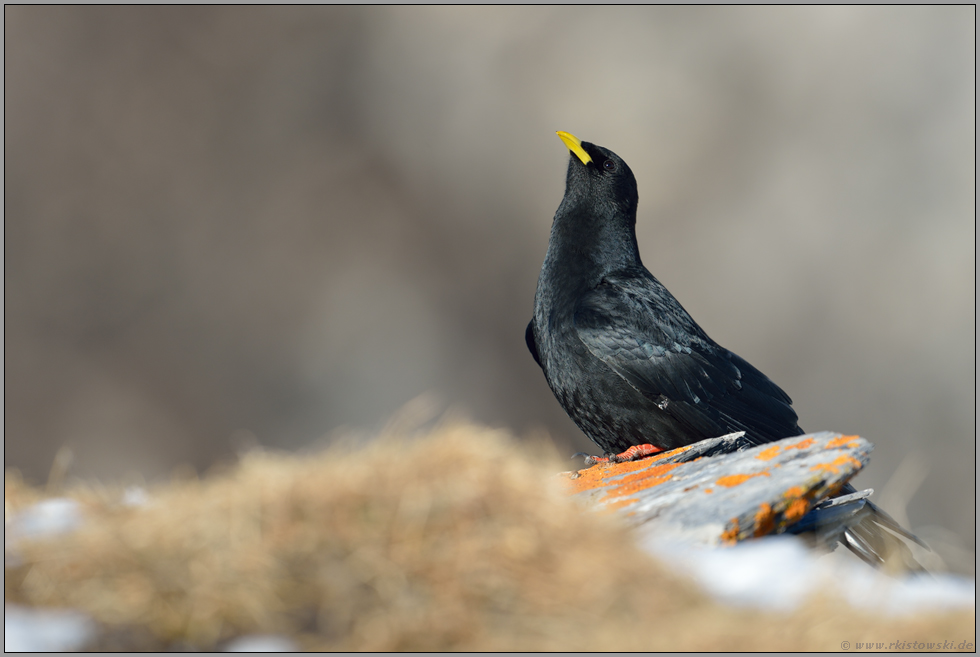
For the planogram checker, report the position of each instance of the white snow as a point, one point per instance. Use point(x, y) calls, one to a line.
point(47, 518)
point(261, 643)
point(45, 630)
point(54, 516)
point(780, 572)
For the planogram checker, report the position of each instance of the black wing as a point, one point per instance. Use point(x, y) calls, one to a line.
point(636, 327)
point(531, 345)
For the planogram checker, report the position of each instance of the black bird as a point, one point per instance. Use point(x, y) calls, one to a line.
point(628, 364)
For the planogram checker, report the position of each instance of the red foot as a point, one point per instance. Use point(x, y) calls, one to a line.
point(634, 453)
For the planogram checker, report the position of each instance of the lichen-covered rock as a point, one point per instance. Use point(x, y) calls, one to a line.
point(720, 491)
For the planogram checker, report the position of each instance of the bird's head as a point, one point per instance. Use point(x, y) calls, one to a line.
point(599, 177)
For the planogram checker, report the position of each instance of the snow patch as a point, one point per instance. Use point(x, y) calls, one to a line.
point(261, 643)
point(780, 572)
point(45, 630)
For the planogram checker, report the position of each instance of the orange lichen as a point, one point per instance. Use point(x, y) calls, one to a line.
point(843, 441)
point(836, 464)
point(769, 453)
point(734, 480)
point(620, 503)
point(647, 478)
point(795, 491)
point(730, 535)
point(796, 510)
point(639, 475)
point(764, 520)
point(596, 476)
point(636, 487)
point(803, 444)
point(709, 490)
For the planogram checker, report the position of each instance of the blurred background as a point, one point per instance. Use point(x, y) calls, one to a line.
point(225, 226)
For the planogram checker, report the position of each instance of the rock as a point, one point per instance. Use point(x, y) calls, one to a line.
point(721, 491)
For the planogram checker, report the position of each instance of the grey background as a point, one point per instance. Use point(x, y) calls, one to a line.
point(235, 224)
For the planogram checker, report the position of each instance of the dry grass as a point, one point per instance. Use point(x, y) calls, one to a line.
point(458, 540)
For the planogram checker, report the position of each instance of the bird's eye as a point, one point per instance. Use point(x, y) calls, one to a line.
point(609, 165)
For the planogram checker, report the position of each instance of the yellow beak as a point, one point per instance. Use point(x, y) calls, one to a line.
point(575, 145)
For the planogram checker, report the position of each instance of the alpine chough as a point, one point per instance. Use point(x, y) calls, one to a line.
point(628, 364)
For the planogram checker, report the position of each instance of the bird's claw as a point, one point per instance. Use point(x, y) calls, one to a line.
point(634, 453)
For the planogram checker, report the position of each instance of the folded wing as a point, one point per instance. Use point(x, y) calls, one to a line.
point(633, 324)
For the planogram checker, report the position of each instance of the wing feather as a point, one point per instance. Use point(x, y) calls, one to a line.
point(636, 327)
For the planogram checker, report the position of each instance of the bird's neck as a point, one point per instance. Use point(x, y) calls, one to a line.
point(586, 246)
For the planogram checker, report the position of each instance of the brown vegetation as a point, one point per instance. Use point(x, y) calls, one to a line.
point(456, 540)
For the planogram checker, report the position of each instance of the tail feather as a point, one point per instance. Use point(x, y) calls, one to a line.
point(885, 520)
point(856, 544)
point(863, 528)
